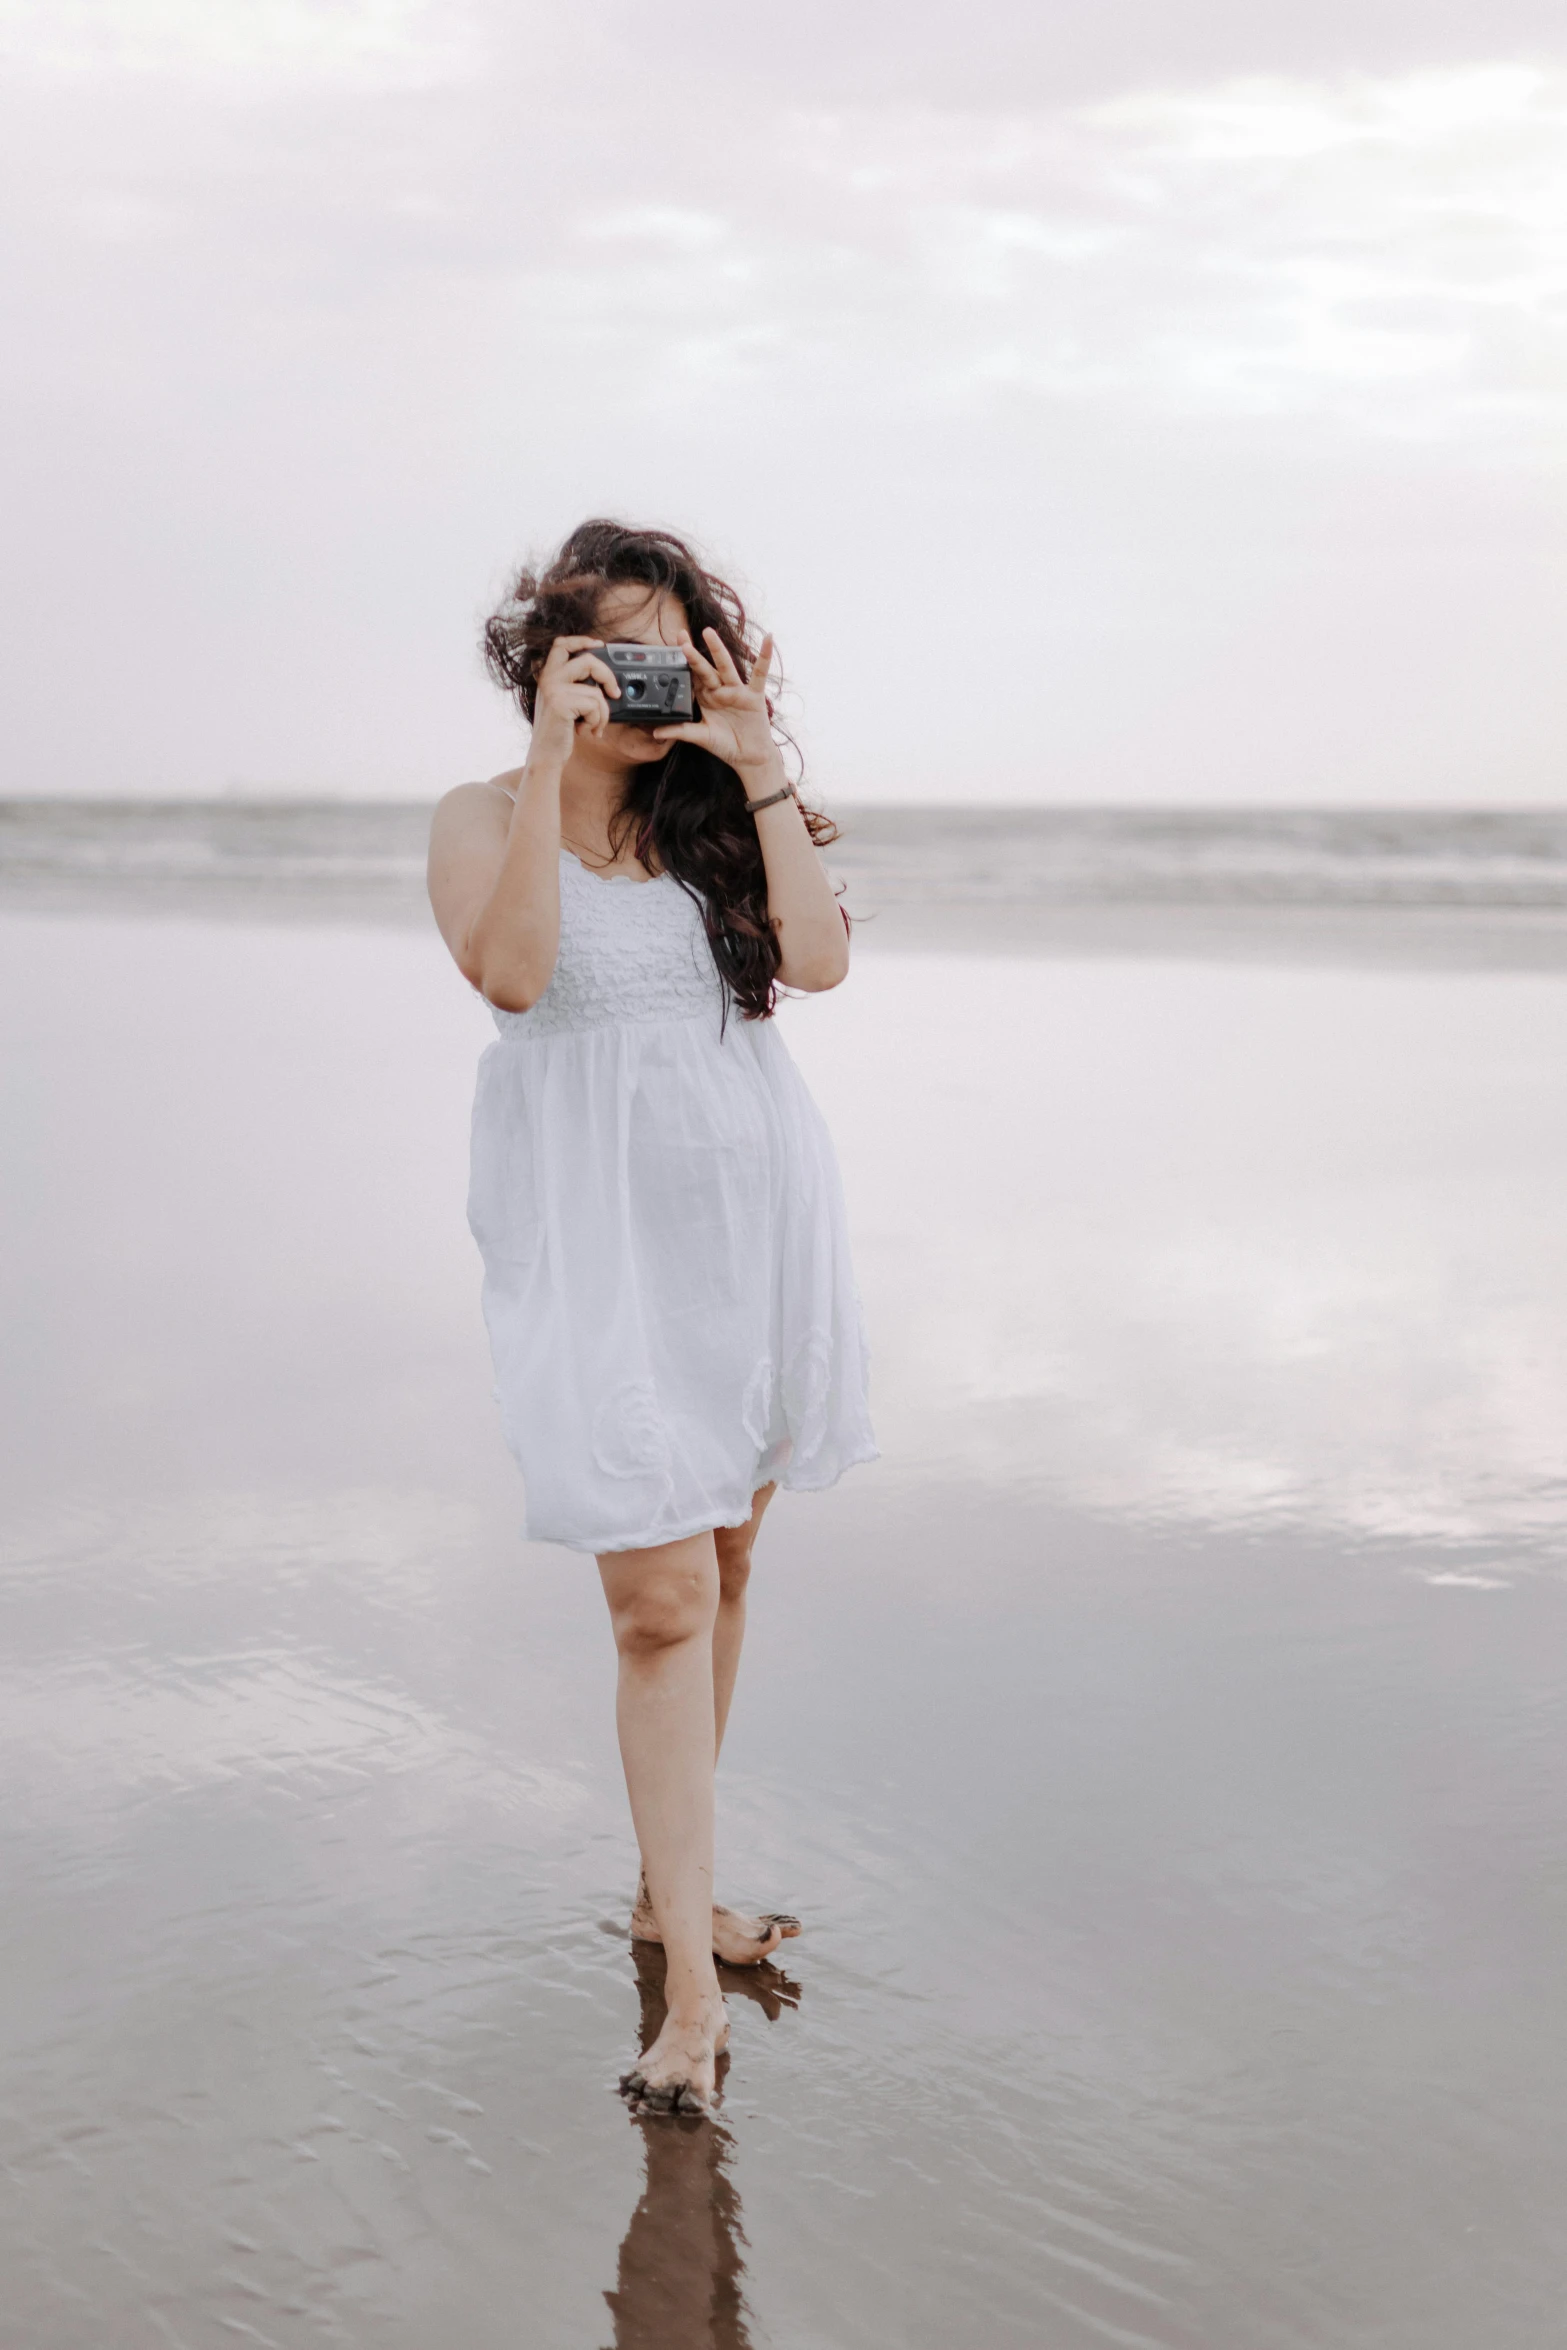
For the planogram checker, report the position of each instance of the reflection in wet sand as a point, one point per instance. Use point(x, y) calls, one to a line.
point(682, 2269)
point(1166, 1740)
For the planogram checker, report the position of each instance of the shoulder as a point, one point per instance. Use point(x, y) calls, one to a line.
point(472, 808)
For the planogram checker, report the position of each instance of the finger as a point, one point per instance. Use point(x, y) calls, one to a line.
point(563, 647)
point(723, 658)
point(761, 665)
point(588, 707)
point(588, 665)
point(690, 733)
point(702, 667)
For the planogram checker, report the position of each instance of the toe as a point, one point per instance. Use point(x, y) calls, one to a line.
point(787, 1926)
point(750, 1948)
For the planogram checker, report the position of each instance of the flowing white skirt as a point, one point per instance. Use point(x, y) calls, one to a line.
point(667, 1285)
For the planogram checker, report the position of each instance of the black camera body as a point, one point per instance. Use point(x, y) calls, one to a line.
point(655, 685)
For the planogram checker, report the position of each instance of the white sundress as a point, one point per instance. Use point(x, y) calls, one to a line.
point(667, 1286)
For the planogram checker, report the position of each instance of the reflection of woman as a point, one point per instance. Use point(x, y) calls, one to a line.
point(667, 1283)
point(681, 2274)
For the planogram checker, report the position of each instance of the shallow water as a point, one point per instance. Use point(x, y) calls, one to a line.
point(1163, 1743)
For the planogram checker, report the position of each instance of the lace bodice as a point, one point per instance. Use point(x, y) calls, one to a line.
point(629, 951)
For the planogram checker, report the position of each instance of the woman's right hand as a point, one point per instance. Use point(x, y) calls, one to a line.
point(573, 691)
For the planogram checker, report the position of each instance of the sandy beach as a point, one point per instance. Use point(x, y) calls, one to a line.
point(1163, 1742)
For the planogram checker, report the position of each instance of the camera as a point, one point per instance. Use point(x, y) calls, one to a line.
point(655, 685)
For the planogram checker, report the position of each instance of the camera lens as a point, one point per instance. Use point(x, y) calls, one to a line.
point(634, 688)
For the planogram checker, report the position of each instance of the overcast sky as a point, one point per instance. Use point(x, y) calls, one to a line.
point(1142, 400)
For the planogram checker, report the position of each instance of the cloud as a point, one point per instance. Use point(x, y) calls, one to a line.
point(317, 313)
point(1391, 253)
point(264, 44)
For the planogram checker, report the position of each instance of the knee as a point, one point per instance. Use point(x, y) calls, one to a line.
point(733, 1546)
point(665, 1606)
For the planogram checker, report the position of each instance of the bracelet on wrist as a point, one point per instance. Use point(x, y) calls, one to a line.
point(771, 801)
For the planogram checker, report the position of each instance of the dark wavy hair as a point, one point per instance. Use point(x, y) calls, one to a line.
point(685, 812)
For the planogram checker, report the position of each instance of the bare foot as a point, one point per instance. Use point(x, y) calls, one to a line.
point(739, 1939)
point(678, 2074)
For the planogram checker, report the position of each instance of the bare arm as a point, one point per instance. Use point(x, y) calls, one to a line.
point(494, 870)
point(813, 940)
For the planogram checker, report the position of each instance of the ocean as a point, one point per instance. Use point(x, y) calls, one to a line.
point(1022, 876)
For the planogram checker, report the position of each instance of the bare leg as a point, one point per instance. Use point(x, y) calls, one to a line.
point(739, 1938)
point(663, 1603)
point(733, 1545)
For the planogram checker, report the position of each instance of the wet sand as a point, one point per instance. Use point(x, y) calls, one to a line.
point(1163, 1743)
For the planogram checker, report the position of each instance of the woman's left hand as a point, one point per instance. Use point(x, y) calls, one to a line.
point(734, 724)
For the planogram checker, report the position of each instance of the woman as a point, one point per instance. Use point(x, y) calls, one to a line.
point(667, 1286)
